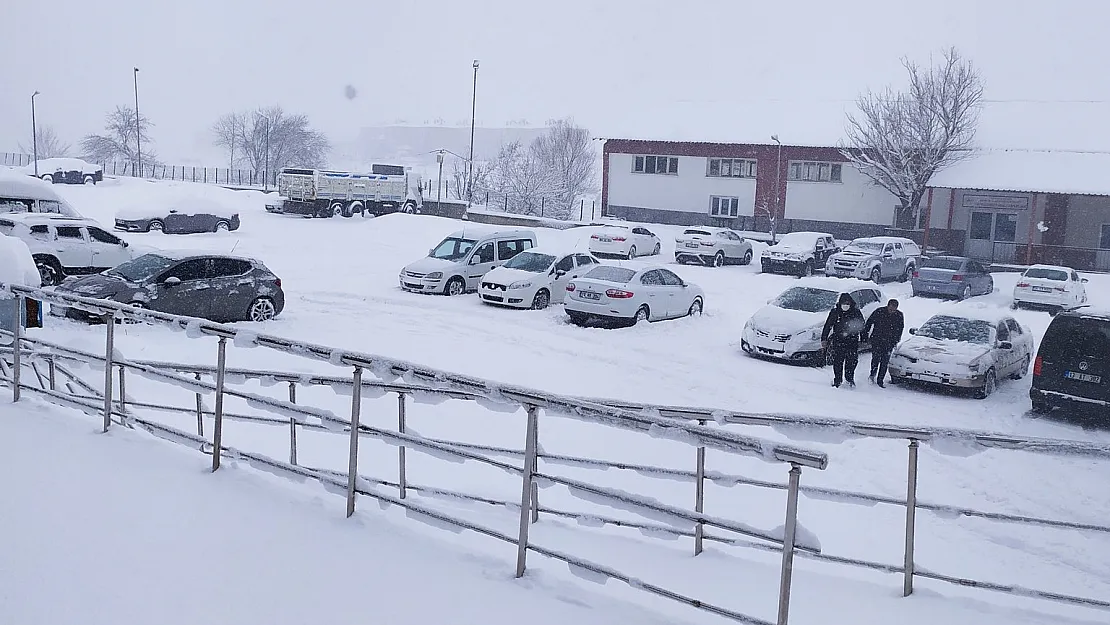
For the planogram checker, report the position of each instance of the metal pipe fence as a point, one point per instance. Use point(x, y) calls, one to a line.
point(1079, 258)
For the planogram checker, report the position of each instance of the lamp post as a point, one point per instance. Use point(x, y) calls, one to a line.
point(138, 126)
point(473, 112)
point(778, 183)
point(439, 182)
point(34, 135)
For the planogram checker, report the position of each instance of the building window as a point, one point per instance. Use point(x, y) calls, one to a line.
point(724, 207)
point(1104, 241)
point(655, 165)
point(814, 171)
point(730, 168)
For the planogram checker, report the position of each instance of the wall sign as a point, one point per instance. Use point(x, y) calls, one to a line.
point(995, 202)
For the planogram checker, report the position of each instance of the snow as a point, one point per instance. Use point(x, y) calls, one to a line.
point(61, 163)
point(191, 203)
point(1029, 171)
point(18, 185)
point(17, 266)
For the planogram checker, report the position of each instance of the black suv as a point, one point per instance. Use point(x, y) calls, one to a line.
point(1073, 363)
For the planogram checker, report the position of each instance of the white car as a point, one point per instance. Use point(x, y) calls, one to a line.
point(64, 246)
point(789, 327)
point(964, 351)
point(1051, 287)
point(456, 265)
point(712, 246)
point(631, 294)
point(534, 278)
point(798, 253)
point(22, 194)
point(624, 242)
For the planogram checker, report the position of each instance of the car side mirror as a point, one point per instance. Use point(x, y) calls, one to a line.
point(888, 255)
point(1083, 280)
point(172, 281)
point(559, 273)
point(913, 330)
point(474, 260)
point(124, 244)
point(1005, 345)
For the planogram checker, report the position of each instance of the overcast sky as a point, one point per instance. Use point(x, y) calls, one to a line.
point(704, 69)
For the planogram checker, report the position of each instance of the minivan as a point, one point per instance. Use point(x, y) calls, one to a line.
point(1073, 363)
point(456, 265)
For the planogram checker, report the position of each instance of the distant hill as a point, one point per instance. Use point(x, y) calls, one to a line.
point(415, 145)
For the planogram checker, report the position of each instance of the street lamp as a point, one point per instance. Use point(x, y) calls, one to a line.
point(34, 135)
point(439, 185)
point(778, 182)
point(138, 126)
point(473, 111)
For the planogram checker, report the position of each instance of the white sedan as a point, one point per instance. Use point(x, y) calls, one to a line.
point(1050, 287)
point(624, 242)
point(712, 246)
point(631, 295)
point(533, 278)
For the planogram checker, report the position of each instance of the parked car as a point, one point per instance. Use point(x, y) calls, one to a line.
point(20, 194)
point(963, 351)
point(712, 246)
point(1073, 363)
point(215, 287)
point(62, 170)
point(798, 253)
point(534, 278)
point(64, 246)
point(456, 265)
point(1050, 287)
point(875, 259)
point(631, 294)
point(951, 276)
point(185, 216)
point(624, 242)
point(17, 268)
point(789, 327)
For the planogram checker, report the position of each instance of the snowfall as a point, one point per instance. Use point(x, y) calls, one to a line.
point(126, 527)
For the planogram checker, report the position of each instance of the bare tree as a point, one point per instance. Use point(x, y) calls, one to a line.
point(228, 133)
point(49, 144)
point(460, 178)
point(521, 181)
point(901, 139)
point(269, 140)
point(118, 141)
point(568, 153)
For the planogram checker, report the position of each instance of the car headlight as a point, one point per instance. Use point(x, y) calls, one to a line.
point(815, 334)
point(973, 366)
point(435, 275)
point(523, 284)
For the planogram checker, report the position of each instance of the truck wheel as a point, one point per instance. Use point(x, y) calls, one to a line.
point(877, 275)
point(336, 210)
point(409, 208)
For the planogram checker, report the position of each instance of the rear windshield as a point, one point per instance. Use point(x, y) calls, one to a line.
point(1076, 336)
point(1046, 274)
point(807, 299)
point(611, 274)
point(701, 232)
point(952, 264)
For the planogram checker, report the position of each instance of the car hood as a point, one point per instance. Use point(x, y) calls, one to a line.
point(775, 320)
point(97, 286)
point(936, 350)
point(788, 249)
point(855, 255)
point(429, 264)
point(507, 276)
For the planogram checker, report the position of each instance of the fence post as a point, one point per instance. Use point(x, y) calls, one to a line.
point(911, 514)
point(122, 390)
point(526, 489)
point(200, 410)
point(536, 469)
point(52, 373)
point(292, 426)
point(788, 544)
point(110, 322)
point(402, 484)
point(581, 209)
point(352, 463)
point(699, 496)
point(593, 205)
point(543, 203)
point(206, 175)
point(194, 173)
point(218, 420)
point(17, 336)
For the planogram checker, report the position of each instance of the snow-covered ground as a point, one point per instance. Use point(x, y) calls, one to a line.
point(340, 279)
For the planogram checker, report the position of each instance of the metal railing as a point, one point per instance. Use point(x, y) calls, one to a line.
point(663, 420)
point(1079, 258)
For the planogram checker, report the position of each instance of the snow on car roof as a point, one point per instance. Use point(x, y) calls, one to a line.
point(1056, 267)
point(17, 266)
point(886, 239)
point(1088, 312)
point(48, 218)
point(182, 254)
point(976, 312)
point(840, 285)
point(556, 250)
point(62, 163)
point(471, 232)
point(798, 236)
point(14, 184)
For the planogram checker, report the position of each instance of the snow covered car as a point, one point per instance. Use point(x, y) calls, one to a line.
point(534, 278)
point(17, 268)
point(798, 253)
point(64, 246)
point(456, 265)
point(1050, 287)
point(61, 170)
point(712, 246)
point(951, 276)
point(185, 216)
point(631, 294)
point(624, 242)
point(875, 259)
point(789, 327)
point(1071, 367)
point(20, 194)
point(209, 286)
point(963, 351)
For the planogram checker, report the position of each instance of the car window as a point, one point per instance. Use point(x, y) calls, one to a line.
point(974, 267)
point(565, 264)
point(1070, 337)
point(1003, 332)
point(226, 267)
point(888, 248)
point(1074, 277)
point(1014, 327)
point(70, 232)
point(669, 278)
point(864, 297)
point(100, 236)
point(485, 253)
point(41, 233)
point(583, 260)
point(6, 227)
point(898, 247)
point(193, 269)
point(651, 278)
point(508, 249)
point(1046, 274)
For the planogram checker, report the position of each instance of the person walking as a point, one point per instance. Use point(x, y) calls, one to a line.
point(884, 327)
point(841, 337)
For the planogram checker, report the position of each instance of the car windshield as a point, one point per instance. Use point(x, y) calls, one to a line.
point(610, 274)
point(530, 261)
point(1046, 274)
point(701, 232)
point(946, 328)
point(797, 239)
point(807, 299)
point(951, 264)
point(452, 248)
point(142, 268)
point(864, 246)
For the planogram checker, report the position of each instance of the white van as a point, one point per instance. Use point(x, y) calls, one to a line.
point(20, 193)
point(457, 264)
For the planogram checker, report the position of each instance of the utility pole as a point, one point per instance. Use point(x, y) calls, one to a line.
point(473, 112)
point(439, 185)
point(138, 126)
point(778, 182)
point(34, 135)
point(266, 167)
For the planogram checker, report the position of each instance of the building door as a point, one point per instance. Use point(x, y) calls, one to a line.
point(992, 236)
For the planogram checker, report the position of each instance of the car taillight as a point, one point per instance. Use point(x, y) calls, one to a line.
point(1037, 366)
point(277, 282)
point(917, 274)
point(1023, 285)
point(619, 294)
point(618, 238)
point(593, 236)
point(570, 287)
point(957, 278)
point(1061, 289)
point(707, 243)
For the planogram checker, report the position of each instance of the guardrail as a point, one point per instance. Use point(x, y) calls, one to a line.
point(671, 417)
point(1080, 258)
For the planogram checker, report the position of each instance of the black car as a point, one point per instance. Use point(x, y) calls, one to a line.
point(190, 217)
point(210, 286)
point(1072, 368)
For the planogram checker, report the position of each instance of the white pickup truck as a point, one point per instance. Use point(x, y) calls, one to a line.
point(876, 259)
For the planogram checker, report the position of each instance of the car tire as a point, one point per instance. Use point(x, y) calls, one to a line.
point(806, 270)
point(896, 380)
point(577, 318)
point(48, 178)
point(643, 314)
point(541, 300)
point(261, 309)
point(1020, 373)
point(719, 259)
point(989, 386)
point(966, 293)
point(907, 274)
point(632, 253)
point(454, 286)
point(1040, 407)
point(747, 258)
point(222, 226)
point(50, 270)
point(156, 225)
point(658, 248)
point(697, 308)
point(877, 275)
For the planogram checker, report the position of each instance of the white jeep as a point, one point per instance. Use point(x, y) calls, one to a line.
point(65, 246)
point(876, 259)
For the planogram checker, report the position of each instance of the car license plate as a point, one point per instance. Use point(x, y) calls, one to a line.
point(605, 239)
point(1042, 289)
point(1083, 377)
point(692, 245)
point(590, 295)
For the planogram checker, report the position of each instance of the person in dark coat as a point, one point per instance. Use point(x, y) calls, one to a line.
point(884, 328)
point(841, 337)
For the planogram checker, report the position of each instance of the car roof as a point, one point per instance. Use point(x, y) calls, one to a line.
point(556, 251)
point(177, 254)
point(975, 314)
point(840, 285)
point(49, 218)
point(711, 229)
point(1087, 312)
point(886, 239)
point(949, 257)
point(487, 232)
point(1056, 267)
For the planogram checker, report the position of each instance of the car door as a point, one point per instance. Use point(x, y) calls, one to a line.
point(192, 296)
point(108, 250)
point(1004, 358)
point(481, 260)
point(230, 289)
point(651, 284)
point(677, 304)
point(889, 262)
point(1023, 345)
point(645, 240)
point(565, 271)
point(73, 249)
point(1078, 288)
point(725, 243)
point(983, 279)
point(820, 253)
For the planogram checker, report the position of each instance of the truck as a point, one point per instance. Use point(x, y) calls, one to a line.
point(876, 259)
point(327, 193)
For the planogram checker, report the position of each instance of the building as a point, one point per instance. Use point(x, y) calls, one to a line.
point(1003, 206)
